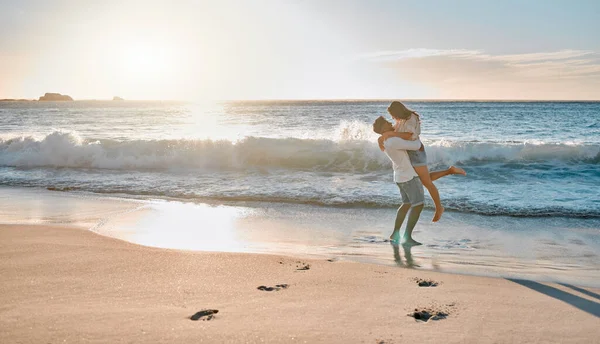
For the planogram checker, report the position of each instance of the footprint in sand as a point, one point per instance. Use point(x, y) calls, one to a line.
point(434, 312)
point(426, 283)
point(206, 314)
point(302, 266)
point(275, 288)
point(426, 314)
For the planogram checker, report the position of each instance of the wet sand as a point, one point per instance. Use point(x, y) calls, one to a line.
point(66, 284)
point(555, 250)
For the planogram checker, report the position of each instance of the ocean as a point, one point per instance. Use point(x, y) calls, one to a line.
point(534, 161)
point(523, 159)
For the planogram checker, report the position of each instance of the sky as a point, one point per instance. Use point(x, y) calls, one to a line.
point(301, 49)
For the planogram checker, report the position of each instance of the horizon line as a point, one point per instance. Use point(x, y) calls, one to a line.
point(321, 99)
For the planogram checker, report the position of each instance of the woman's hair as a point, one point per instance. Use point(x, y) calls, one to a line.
point(379, 123)
point(399, 111)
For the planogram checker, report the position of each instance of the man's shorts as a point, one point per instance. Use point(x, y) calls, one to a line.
point(417, 157)
point(412, 192)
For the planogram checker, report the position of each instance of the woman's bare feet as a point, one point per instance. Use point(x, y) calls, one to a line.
point(438, 214)
point(457, 170)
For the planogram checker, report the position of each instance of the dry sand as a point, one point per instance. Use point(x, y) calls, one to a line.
point(68, 285)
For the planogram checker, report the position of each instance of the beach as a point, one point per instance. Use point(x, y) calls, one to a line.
point(122, 221)
point(66, 284)
point(299, 172)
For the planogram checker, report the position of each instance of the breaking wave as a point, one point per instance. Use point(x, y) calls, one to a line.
point(354, 154)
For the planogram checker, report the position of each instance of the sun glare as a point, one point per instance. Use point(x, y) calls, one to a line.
point(146, 62)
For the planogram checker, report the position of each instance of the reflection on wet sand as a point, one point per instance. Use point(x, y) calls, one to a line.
point(408, 258)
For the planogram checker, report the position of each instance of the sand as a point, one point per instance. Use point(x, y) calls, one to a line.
point(69, 285)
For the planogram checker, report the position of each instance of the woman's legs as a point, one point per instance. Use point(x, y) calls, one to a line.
point(423, 173)
point(427, 179)
point(435, 175)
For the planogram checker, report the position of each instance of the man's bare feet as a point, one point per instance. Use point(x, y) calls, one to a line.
point(438, 214)
point(395, 237)
point(410, 242)
point(457, 170)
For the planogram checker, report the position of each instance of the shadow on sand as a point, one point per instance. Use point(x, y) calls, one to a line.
point(585, 305)
point(581, 290)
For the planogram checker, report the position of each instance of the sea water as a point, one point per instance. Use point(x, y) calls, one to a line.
point(523, 159)
point(532, 166)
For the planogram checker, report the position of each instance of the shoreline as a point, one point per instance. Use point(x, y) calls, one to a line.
point(69, 284)
point(563, 252)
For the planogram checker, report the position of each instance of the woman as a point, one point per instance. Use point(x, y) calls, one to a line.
point(408, 127)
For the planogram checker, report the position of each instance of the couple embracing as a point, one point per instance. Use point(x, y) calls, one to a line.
point(401, 143)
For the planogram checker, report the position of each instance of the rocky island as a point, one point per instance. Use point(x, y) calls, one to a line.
point(117, 98)
point(54, 97)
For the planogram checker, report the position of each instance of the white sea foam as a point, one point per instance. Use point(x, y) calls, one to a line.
point(455, 152)
point(351, 152)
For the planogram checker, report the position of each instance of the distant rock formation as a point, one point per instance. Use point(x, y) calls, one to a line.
point(55, 97)
point(117, 98)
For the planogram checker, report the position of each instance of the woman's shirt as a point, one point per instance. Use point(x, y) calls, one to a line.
point(409, 125)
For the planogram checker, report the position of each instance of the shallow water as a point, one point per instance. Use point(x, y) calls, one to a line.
point(561, 250)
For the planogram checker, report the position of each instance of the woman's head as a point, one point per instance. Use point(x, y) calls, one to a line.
point(399, 111)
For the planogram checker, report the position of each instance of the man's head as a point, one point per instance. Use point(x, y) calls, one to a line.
point(381, 125)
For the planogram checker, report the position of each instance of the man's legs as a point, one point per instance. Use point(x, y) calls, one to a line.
point(413, 218)
point(412, 190)
point(401, 213)
point(400, 216)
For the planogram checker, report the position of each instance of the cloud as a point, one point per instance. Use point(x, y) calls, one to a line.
point(562, 55)
point(383, 56)
point(460, 73)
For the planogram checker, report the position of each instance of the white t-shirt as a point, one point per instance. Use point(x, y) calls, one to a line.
point(395, 149)
point(409, 125)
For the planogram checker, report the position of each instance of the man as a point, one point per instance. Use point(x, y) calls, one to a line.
point(407, 180)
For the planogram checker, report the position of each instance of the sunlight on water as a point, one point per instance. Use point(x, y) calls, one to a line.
point(204, 121)
point(180, 226)
point(34, 206)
